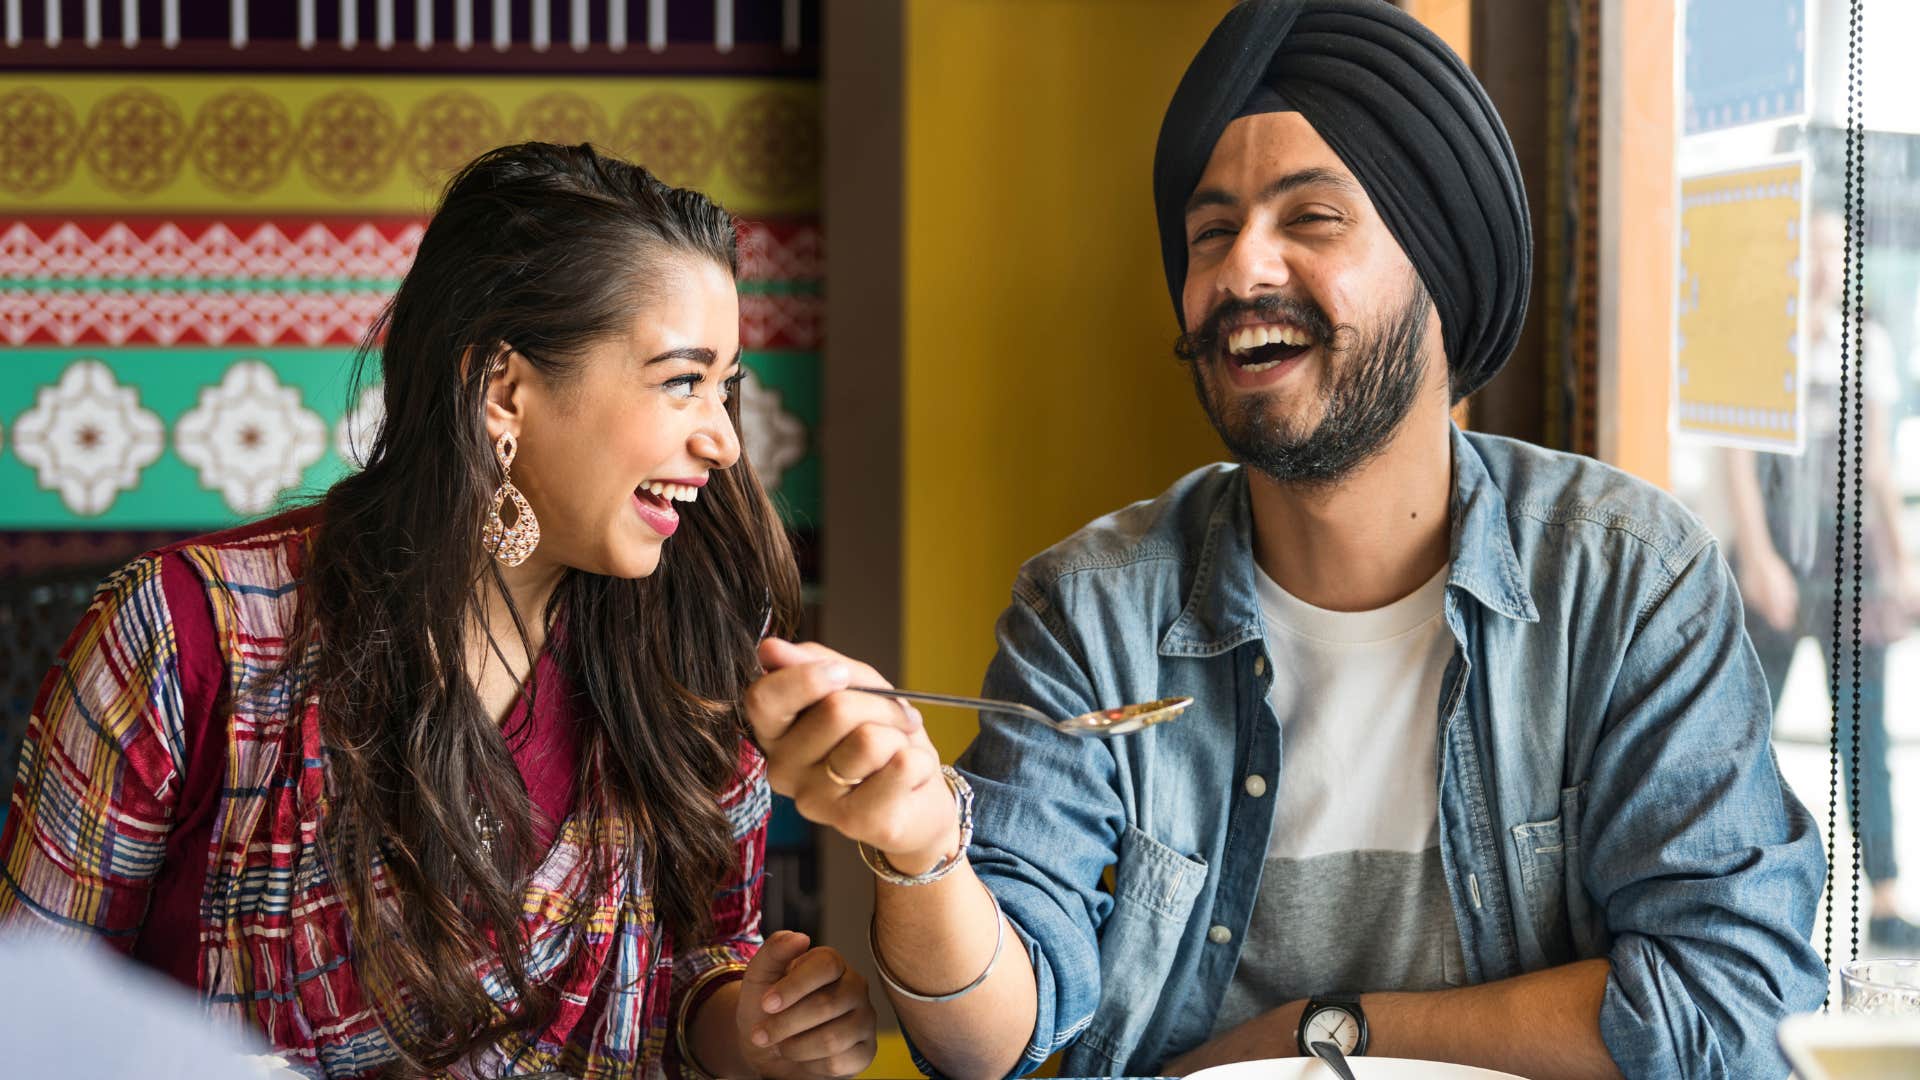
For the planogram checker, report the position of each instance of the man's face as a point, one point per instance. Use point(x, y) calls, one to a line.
point(1308, 328)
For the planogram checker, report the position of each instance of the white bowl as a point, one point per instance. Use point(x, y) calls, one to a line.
point(1364, 1068)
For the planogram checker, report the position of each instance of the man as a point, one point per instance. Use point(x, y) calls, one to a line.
point(1477, 767)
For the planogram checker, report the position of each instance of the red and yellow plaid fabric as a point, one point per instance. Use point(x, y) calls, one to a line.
point(101, 773)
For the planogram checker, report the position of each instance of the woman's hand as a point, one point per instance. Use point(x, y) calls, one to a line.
point(857, 763)
point(803, 1012)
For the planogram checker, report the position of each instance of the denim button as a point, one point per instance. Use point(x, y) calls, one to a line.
point(1259, 665)
point(1219, 935)
point(1256, 785)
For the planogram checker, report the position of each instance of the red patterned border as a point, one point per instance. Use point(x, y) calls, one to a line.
point(297, 282)
point(188, 249)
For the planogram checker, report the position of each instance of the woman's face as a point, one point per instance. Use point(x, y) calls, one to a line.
point(612, 458)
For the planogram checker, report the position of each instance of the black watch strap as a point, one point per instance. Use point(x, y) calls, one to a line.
point(1348, 1003)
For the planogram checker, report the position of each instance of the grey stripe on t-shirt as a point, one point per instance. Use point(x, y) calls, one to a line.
point(1345, 922)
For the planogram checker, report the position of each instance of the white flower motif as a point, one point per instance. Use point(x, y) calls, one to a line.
point(88, 437)
point(774, 438)
point(354, 434)
point(250, 437)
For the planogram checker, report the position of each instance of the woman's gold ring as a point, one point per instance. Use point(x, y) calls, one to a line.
point(834, 775)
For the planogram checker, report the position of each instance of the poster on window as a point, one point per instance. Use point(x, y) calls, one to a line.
point(1746, 62)
point(1740, 337)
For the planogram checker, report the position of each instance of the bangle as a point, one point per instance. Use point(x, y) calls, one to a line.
point(893, 984)
point(689, 1062)
point(876, 859)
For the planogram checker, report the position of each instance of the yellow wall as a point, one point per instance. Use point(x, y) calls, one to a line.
point(1039, 380)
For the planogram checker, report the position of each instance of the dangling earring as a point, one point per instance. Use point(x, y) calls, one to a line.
point(511, 545)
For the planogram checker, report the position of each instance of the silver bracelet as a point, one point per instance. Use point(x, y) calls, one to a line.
point(893, 984)
point(876, 859)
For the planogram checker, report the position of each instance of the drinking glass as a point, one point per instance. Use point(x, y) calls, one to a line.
point(1889, 986)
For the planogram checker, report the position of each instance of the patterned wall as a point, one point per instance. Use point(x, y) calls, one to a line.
point(203, 206)
point(174, 364)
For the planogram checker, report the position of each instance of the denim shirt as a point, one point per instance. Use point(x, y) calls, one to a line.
point(1606, 782)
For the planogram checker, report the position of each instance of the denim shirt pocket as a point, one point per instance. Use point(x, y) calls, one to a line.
point(1555, 906)
point(1154, 891)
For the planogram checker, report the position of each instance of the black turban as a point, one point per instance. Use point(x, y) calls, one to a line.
point(1413, 126)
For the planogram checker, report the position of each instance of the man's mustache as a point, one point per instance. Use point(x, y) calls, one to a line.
point(1269, 307)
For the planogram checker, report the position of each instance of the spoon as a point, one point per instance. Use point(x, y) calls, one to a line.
point(1331, 1054)
point(1100, 722)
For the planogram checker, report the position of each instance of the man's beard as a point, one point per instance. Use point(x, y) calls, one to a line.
point(1368, 384)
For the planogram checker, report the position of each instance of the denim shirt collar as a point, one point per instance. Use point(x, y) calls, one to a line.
point(1484, 563)
point(1222, 610)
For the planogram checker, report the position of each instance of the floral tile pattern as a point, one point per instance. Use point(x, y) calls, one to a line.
point(353, 436)
point(250, 437)
point(88, 438)
point(775, 439)
point(204, 438)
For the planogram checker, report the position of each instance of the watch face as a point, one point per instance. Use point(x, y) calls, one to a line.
point(1333, 1024)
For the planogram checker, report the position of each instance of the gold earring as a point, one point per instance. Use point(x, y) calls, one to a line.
point(510, 544)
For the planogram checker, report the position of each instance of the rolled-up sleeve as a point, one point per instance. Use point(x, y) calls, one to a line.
point(1047, 821)
point(1708, 869)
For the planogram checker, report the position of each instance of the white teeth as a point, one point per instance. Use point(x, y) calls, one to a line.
point(1248, 338)
point(1268, 366)
point(673, 492)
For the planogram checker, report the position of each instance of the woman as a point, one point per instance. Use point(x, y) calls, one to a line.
point(324, 767)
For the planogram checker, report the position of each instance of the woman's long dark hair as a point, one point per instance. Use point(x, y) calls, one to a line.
point(547, 250)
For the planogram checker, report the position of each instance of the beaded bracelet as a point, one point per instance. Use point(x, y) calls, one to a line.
point(876, 860)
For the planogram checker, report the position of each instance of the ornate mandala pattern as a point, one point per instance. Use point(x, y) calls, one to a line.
point(88, 437)
point(38, 139)
point(773, 146)
point(241, 142)
point(447, 131)
point(250, 437)
point(134, 142)
point(245, 142)
point(671, 135)
point(561, 118)
point(347, 143)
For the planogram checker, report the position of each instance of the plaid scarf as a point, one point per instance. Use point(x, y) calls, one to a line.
point(101, 773)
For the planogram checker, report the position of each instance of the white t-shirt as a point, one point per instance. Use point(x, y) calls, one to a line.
point(1353, 897)
point(1358, 697)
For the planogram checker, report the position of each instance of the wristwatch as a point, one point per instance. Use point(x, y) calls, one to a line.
point(1334, 1018)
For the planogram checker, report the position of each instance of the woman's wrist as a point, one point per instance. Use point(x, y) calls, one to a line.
point(712, 1041)
point(938, 803)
